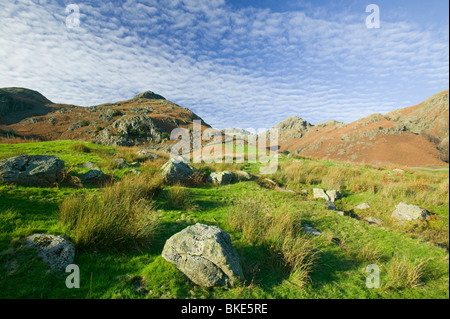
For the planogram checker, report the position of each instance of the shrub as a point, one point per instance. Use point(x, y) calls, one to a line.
point(122, 216)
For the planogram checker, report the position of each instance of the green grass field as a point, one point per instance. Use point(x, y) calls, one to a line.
point(412, 258)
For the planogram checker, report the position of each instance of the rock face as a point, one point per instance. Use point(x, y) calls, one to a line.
point(221, 178)
point(409, 212)
point(32, 170)
point(56, 251)
point(175, 171)
point(205, 255)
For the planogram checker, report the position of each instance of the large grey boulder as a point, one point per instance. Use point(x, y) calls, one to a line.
point(56, 251)
point(221, 178)
point(404, 211)
point(205, 255)
point(176, 171)
point(32, 170)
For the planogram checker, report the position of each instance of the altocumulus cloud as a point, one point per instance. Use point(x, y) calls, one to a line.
point(235, 67)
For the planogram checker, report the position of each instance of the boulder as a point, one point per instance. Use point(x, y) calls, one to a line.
point(88, 164)
point(56, 251)
point(311, 230)
point(32, 170)
point(221, 178)
point(374, 221)
point(320, 193)
point(175, 171)
point(243, 176)
point(92, 174)
point(205, 255)
point(330, 205)
point(404, 211)
point(120, 163)
point(142, 154)
point(333, 195)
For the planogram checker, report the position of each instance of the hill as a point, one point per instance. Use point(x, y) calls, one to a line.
point(148, 118)
point(413, 136)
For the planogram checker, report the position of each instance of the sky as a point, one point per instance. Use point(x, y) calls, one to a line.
point(246, 64)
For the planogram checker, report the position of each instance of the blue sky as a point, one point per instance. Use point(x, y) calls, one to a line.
point(247, 64)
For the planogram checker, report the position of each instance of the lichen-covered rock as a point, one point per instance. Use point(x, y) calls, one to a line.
point(221, 178)
point(205, 255)
point(142, 154)
point(362, 206)
point(56, 251)
point(320, 193)
point(243, 176)
point(404, 211)
point(120, 163)
point(176, 171)
point(32, 170)
point(92, 174)
point(333, 195)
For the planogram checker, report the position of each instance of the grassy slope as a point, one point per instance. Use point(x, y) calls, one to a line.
point(338, 272)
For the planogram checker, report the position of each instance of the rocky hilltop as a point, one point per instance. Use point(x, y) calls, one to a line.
point(148, 118)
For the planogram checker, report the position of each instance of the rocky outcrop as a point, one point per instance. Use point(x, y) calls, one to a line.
point(56, 251)
point(32, 170)
point(331, 195)
point(205, 255)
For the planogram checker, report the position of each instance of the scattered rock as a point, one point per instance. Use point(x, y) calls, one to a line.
point(32, 170)
point(56, 251)
point(373, 220)
point(311, 230)
point(221, 178)
point(146, 155)
point(330, 205)
point(333, 195)
point(135, 164)
point(92, 174)
point(340, 213)
point(205, 255)
point(133, 171)
point(175, 171)
point(120, 163)
point(362, 206)
point(88, 164)
point(320, 193)
point(243, 176)
point(409, 212)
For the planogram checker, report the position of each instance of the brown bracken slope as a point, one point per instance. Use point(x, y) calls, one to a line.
point(414, 136)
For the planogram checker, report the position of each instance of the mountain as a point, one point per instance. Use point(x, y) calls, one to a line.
point(413, 136)
point(148, 118)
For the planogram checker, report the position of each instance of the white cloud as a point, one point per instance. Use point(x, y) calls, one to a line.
point(246, 68)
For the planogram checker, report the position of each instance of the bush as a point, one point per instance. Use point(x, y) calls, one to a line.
point(122, 216)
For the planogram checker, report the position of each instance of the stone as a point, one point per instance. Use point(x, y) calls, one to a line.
point(142, 154)
point(221, 178)
point(373, 220)
point(135, 164)
point(205, 255)
point(243, 176)
point(320, 193)
point(407, 212)
point(311, 230)
point(56, 251)
point(362, 206)
point(133, 171)
point(175, 171)
point(120, 163)
point(333, 195)
point(398, 171)
point(32, 170)
point(92, 174)
point(88, 164)
point(340, 213)
point(330, 205)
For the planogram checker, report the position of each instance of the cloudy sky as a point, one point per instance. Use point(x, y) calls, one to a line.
point(247, 63)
